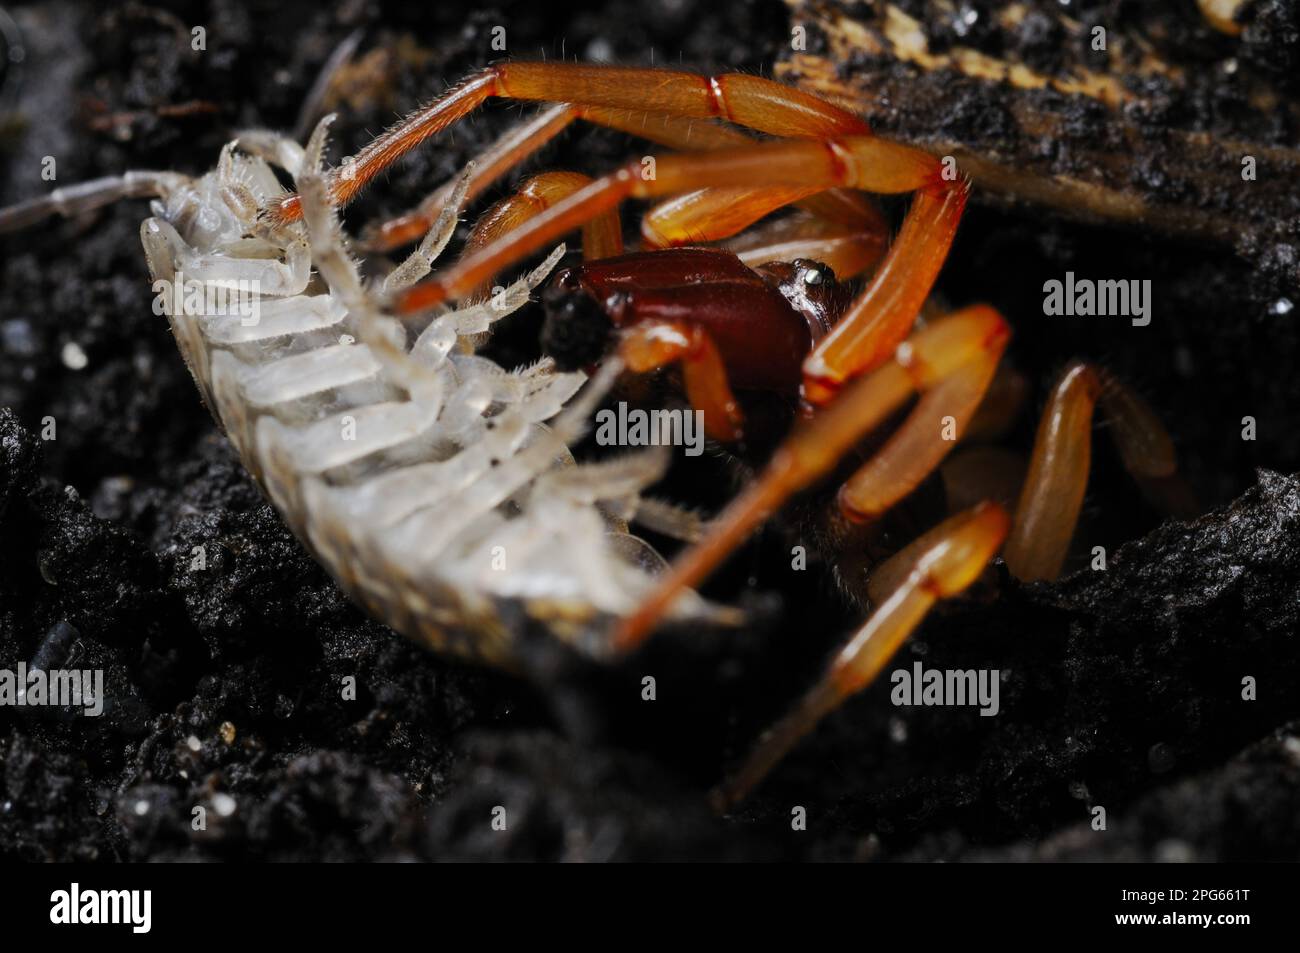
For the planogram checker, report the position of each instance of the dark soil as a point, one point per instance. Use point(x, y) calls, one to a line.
point(1120, 689)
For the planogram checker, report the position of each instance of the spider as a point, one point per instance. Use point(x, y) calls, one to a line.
point(785, 325)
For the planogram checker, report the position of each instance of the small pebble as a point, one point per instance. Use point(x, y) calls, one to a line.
point(73, 357)
point(897, 731)
point(223, 804)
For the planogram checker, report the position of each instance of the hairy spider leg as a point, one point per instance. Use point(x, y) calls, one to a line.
point(884, 313)
point(850, 243)
point(1047, 495)
point(842, 206)
point(751, 101)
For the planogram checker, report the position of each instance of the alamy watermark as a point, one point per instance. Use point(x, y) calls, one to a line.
point(1086, 297)
point(59, 688)
point(946, 687)
point(651, 428)
point(74, 906)
point(239, 298)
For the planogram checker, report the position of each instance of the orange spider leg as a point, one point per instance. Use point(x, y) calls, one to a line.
point(518, 144)
point(917, 449)
point(931, 356)
point(650, 345)
point(1058, 470)
point(847, 251)
point(885, 312)
point(952, 557)
point(1146, 448)
point(686, 134)
point(760, 104)
point(862, 162)
point(1058, 475)
point(707, 215)
point(602, 236)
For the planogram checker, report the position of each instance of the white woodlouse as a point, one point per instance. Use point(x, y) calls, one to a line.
point(422, 476)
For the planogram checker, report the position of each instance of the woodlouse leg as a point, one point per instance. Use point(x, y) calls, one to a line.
point(1058, 470)
point(464, 326)
point(310, 111)
point(673, 521)
point(84, 197)
point(602, 236)
point(420, 262)
point(952, 557)
point(330, 255)
point(650, 345)
point(928, 358)
point(277, 149)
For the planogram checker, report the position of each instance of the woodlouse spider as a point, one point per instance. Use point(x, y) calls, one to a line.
point(785, 325)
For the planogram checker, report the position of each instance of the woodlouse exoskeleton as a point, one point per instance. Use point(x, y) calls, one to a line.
point(427, 480)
